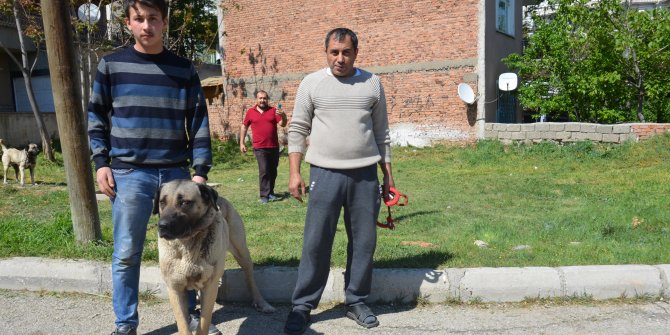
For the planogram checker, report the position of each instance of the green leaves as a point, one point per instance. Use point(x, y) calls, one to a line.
point(193, 28)
point(600, 62)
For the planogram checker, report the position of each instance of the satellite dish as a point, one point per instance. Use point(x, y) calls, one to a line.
point(507, 81)
point(88, 12)
point(466, 94)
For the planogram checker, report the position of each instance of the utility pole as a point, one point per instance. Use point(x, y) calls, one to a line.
point(71, 120)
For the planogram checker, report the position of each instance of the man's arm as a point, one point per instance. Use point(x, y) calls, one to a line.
point(283, 117)
point(296, 185)
point(243, 137)
point(387, 171)
point(200, 141)
point(99, 128)
point(301, 124)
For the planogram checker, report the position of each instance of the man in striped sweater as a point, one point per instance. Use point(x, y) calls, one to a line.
point(343, 110)
point(147, 122)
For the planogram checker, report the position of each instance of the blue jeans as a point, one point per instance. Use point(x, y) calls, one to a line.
point(131, 209)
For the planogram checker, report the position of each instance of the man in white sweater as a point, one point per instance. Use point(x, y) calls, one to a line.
point(343, 111)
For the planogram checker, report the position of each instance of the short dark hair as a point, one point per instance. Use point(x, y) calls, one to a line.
point(155, 4)
point(261, 91)
point(339, 33)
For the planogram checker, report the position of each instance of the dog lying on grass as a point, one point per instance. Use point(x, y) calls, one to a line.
point(19, 160)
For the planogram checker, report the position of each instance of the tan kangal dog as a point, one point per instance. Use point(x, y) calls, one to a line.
point(196, 227)
point(19, 160)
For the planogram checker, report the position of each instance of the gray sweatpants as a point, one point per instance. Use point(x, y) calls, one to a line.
point(357, 190)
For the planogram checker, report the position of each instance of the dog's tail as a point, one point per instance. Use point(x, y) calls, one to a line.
point(2, 144)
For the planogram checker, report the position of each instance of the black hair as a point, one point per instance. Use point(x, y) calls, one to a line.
point(155, 4)
point(339, 33)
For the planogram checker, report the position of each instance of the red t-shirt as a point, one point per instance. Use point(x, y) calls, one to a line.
point(263, 127)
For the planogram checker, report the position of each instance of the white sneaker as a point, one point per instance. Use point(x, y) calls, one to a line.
point(195, 321)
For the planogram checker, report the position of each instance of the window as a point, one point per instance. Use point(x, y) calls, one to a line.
point(505, 17)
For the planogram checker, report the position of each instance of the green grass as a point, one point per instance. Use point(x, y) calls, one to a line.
point(573, 205)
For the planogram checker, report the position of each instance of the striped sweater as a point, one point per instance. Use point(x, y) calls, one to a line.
point(148, 111)
point(345, 118)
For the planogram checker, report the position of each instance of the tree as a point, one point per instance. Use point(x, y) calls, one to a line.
point(596, 62)
point(24, 13)
point(192, 31)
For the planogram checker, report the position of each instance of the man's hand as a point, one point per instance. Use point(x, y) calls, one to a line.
point(243, 148)
point(105, 180)
point(296, 185)
point(199, 180)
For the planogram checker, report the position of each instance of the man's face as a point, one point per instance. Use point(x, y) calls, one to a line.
point(262, 100)
point(341, 56)
point(146, 24)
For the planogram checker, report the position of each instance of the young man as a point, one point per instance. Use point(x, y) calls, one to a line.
point(263, 120)
point(147, 122)
point(343, 110)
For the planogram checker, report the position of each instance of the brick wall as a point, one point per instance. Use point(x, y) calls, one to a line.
point(572, 132)
point(421, 50)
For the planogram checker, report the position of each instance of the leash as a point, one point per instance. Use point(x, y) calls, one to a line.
point(393, 199)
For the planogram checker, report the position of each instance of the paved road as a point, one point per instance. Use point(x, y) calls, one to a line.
point(23, 312)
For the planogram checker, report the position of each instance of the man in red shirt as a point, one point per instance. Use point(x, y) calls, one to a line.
point(263, 120)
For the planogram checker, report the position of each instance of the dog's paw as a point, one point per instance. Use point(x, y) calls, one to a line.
point(264, 307)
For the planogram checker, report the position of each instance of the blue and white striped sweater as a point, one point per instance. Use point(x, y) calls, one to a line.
point(148, 111)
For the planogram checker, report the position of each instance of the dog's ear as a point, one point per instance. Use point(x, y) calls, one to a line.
point(209, 195)
point(157, 200)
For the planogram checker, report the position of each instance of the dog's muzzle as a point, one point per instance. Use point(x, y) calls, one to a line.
point(173, 226)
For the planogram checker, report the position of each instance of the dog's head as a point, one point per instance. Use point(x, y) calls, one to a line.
point(32, 149)
point(182, 207)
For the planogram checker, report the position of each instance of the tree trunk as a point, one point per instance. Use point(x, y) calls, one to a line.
point(640, 87)
point(71, 120)
point(25, 71)
point(46, 141)
point(224, 76)
point(640, 105)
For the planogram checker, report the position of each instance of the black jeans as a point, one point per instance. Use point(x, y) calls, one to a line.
point(268, 160)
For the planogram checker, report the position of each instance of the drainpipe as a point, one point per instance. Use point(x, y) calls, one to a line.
point(481, 72)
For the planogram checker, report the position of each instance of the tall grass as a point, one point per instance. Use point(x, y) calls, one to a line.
point(534, 205)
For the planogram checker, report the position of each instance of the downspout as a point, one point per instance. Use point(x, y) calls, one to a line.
point(481, 72)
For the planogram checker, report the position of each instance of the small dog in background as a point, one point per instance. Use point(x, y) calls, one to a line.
point(19, 160)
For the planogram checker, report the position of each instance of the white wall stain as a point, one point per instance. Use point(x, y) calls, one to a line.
point(417, 135)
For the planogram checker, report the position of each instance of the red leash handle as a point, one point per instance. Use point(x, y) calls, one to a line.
point(393, 199)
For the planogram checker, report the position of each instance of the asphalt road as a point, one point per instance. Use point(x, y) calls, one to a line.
point(23, 312)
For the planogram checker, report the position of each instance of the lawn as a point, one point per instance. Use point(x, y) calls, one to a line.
point(532, 205)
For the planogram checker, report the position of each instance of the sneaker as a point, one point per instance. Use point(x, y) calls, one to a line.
point(124, 330)
point(263, 200)
point(273, 197)
point(195, 321)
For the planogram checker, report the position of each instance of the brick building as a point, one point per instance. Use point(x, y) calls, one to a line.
point(421, 49)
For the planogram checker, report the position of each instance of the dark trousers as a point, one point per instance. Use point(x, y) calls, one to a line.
point(357, 190)
point(268, 160)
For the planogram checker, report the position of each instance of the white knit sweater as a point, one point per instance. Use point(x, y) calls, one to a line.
point(345, 119)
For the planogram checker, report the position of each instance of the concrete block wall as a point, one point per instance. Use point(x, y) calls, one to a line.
point(420, 49)
point(20, 129)
point(565, 132)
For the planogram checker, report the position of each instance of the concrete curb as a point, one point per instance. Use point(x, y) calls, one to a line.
point(389, 285)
